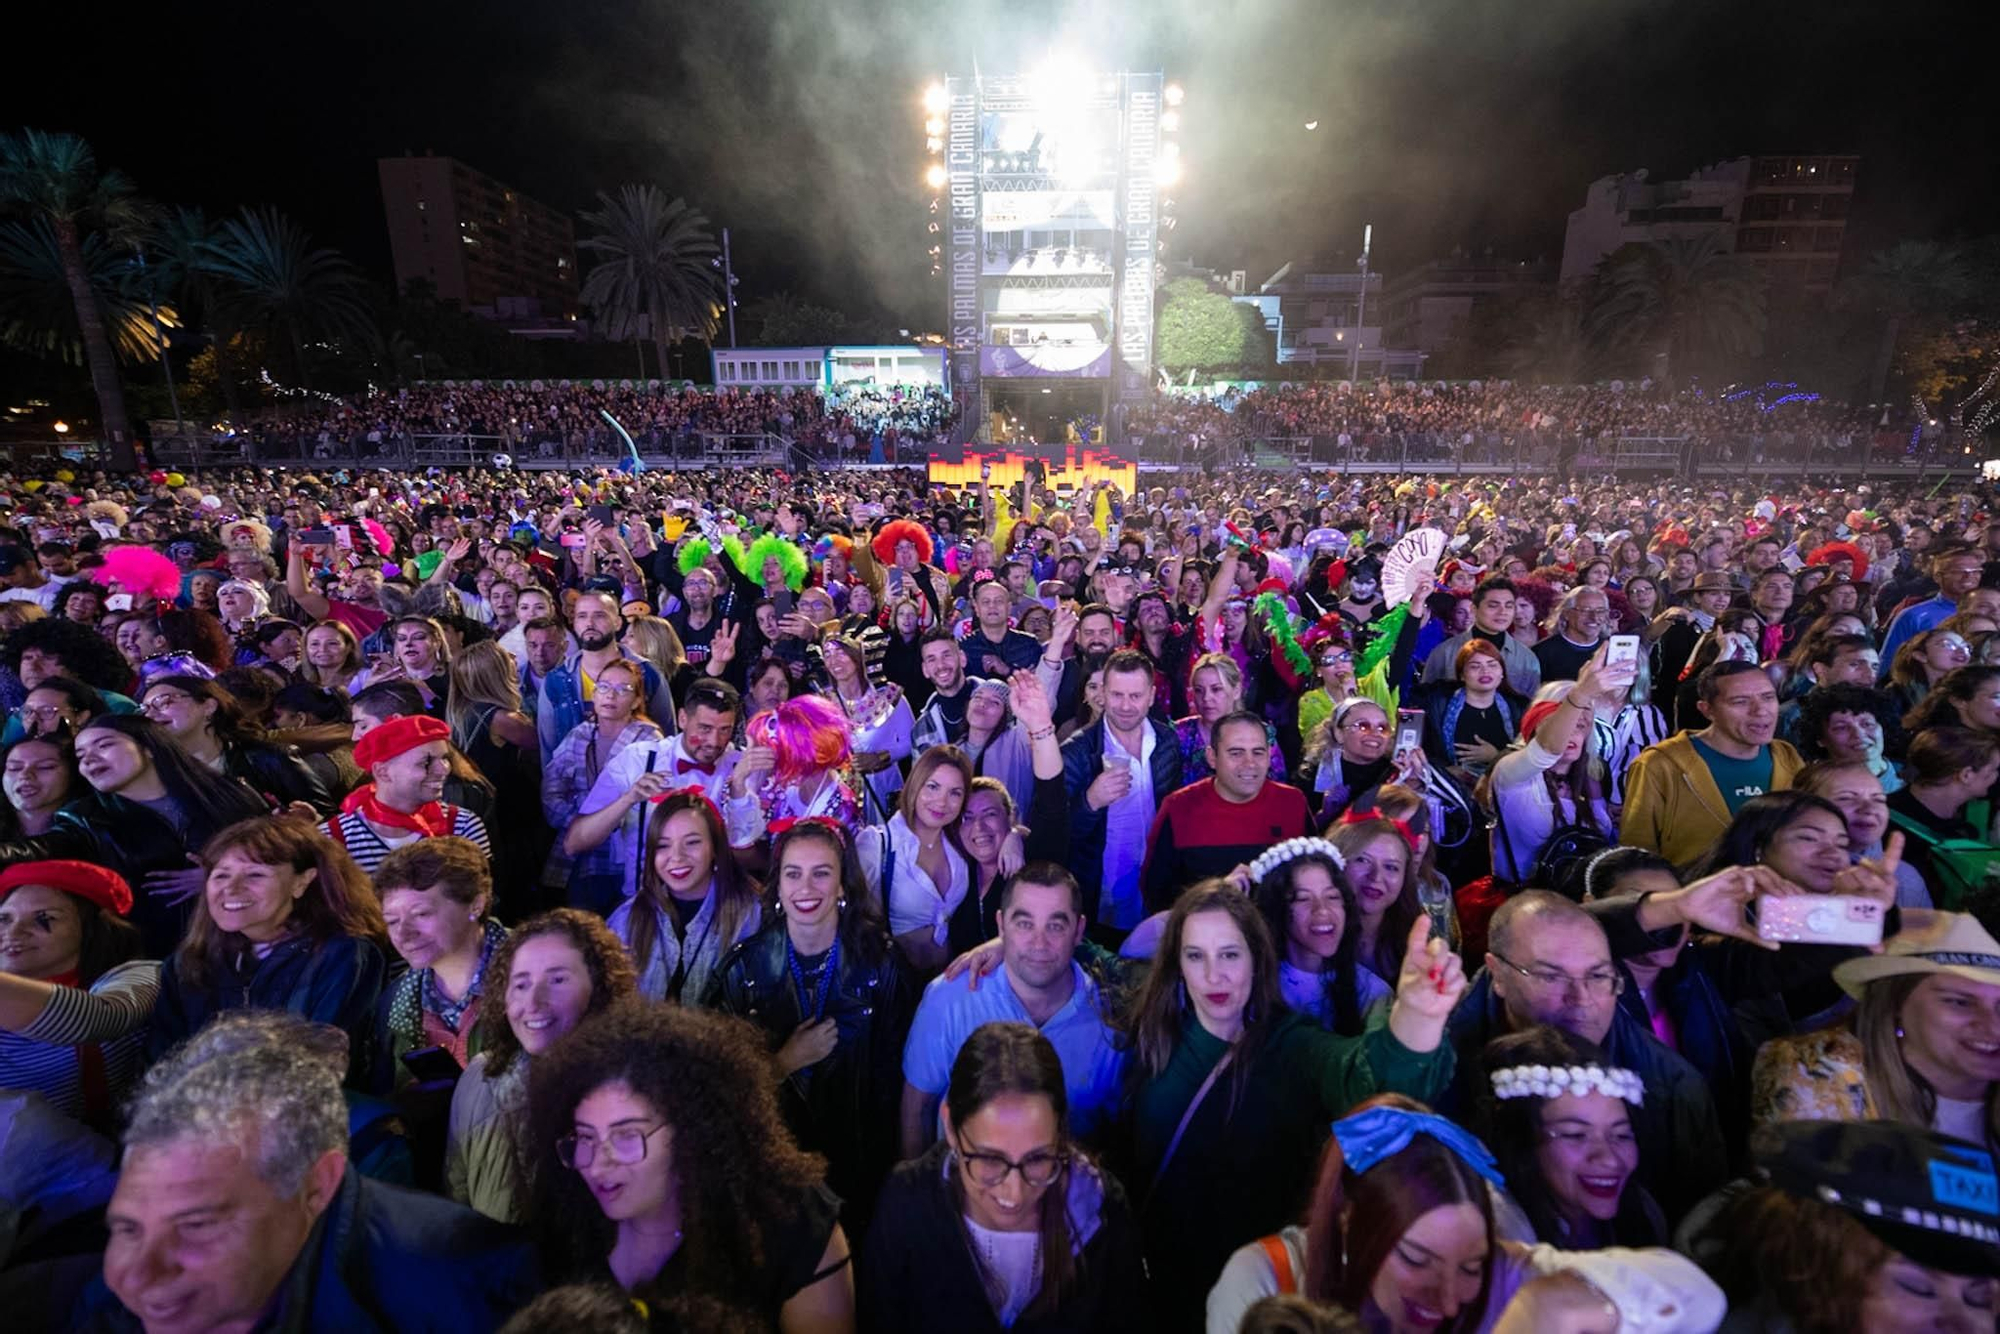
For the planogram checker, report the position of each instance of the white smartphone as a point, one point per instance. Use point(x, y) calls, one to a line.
point(1819, 919)
point(1623, 653)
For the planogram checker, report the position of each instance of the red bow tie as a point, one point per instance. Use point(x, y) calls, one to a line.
point(690, 767)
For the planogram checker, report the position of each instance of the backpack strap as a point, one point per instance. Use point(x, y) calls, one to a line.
point(1280, 1256)
point(1914, 828)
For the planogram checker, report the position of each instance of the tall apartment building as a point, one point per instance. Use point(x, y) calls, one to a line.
point(1786, 214)
point(495, 251)
point(1428, 306)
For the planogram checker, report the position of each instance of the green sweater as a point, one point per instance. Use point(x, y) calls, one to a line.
point(1246, 1171)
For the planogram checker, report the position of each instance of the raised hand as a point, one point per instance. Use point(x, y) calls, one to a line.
point(1431, 981)
point(722, 645)
point(1062, 628)
point(1030, 701)
point(1874, 877)
point(756, 761)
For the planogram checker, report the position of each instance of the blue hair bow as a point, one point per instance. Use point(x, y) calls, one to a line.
point(1366, 1138)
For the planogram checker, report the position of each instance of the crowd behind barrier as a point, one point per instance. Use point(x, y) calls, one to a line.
point(761, 895)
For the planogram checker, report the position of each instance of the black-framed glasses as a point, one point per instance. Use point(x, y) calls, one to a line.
point(625, 1145)
point(990, 1169)
point(1598, 982)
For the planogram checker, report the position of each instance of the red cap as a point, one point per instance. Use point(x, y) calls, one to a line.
point(396, 737)
point(101, 885)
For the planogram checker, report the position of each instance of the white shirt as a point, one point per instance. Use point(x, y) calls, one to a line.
point(914, 901)
point(615, 779)
point(45, 596)
point(1127, 822)
point(1014, 1261)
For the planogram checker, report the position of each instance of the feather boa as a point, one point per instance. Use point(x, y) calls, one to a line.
point(1284, 631)
point(1387, 631)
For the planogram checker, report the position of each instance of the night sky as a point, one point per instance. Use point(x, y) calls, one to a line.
point(796, 123)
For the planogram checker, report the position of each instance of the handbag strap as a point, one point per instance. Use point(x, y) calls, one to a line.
point(1280, 1256)
point(1194, 1105)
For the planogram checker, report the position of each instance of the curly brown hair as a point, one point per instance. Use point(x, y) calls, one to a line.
point(1812, 1260)
point(612, 977)
point(738, 1172)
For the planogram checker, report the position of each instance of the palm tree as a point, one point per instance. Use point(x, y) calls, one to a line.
point(1684, 297)
point(1558, 348)
point(55, 179)
point(177, 254)
point(1903, 283)
point(655, 271)
point(271, 278)
point(38, 314)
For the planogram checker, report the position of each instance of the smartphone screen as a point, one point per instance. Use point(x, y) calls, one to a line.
point(343, 537)
point(573, 540)
point(316, 537)
point(1409, 730)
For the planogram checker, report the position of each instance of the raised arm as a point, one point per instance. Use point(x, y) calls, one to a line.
point(301, 590)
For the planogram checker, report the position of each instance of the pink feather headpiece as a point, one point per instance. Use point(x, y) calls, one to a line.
point(379, 536)
point(808, 735)
point(140, 571)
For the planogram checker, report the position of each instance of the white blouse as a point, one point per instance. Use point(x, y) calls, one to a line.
point(914, 900)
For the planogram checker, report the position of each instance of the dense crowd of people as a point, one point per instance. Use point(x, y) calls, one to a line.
point(827, 901)
point(564, 420)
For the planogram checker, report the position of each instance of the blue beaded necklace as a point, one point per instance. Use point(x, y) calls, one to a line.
point(827, 971)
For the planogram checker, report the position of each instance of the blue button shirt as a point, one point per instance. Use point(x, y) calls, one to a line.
point(1093, 1067)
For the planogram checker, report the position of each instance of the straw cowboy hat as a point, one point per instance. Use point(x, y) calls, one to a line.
point(1953, 943)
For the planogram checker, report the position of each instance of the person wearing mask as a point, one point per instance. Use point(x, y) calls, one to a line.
point(437, 899)
point(1558, 1116)
point(1549, 962)
point(1958, 570)
point(670, 1188)
point(301, 1219)
point(960, 1244)
point(1868, 1227)
point(701, 754)
point(1921, 1047)
point(407, 759)
point(1211, 827)
point(286, 921)
point(693, 903)
point(75, 997)
point(1579, 627)
point(1682, 792)
point(833, 995)
point(211, 726)
point(1038, 983)
point(1233, 1090)
point(943, 717)
point(568, 690)
point(1492, 615)
point(1115, 774)
point(554, 971)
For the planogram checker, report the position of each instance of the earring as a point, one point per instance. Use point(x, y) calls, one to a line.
point(1899, 1032)
point(840, 904)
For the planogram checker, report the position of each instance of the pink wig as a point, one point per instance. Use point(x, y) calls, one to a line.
point(379, 536)
point(902, 530)
point(140, 571)
point(808, 735)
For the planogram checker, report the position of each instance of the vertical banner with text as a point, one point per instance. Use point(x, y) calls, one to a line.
point(1135, 279)
point(962, 168)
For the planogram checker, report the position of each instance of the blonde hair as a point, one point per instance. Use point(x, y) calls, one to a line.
point(1898, 1092)
point(654, 639)
point(482, 673)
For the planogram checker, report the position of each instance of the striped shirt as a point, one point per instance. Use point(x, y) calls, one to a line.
point(369, 851)
point(1618, 744)
point(112, 1015)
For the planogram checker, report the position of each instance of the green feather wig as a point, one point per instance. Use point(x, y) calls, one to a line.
point(770, 546)
point(693, 555)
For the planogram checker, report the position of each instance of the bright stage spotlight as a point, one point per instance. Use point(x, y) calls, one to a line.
point(935, 100)
point(1173, 94)
point(934, 176)
point(1170, 121)
point(1167, 167)
point(934, 125)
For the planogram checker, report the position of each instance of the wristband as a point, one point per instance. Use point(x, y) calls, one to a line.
point(1042, 735)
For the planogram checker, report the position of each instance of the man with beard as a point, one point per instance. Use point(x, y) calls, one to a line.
point(1095, 630)
point(565, 697)
point(943, 664)
point(698, 618)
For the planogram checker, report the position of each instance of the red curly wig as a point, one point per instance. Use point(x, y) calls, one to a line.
point(900, 531)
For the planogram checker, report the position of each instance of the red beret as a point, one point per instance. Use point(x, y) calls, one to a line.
point(396, 736)
point(101, 885)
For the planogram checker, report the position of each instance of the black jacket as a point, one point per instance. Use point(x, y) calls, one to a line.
point(132, 840)
point(1083, 761)
point(917, 1271)
point(848, 1106)
point(384, 1258)
point(278, 772)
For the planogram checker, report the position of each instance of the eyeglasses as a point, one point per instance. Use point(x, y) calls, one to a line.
point(163, 699)
point(990, 1169)
point(625, 1145)
point(1602, 982)
point(46, 713)
point(616, 690)
point(1340, 659)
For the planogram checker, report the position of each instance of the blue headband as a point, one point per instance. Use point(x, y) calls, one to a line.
point(1366, 1138)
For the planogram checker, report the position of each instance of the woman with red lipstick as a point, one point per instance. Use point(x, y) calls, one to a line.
point(834, 997)
point(1564, 1139)
point(1299, 888)
point(693, 901)
point(1381, 876)
point(285, 921)
point(1233, 1089)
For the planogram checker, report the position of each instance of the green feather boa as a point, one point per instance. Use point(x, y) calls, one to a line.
point(1284, 630)
point(1387, 631)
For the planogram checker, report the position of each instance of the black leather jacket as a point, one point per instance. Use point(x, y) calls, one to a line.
point(279, 773)
point(847, 1106)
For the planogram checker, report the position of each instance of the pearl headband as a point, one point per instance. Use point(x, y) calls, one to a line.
point(1270, 859)
point(1555, 1081)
